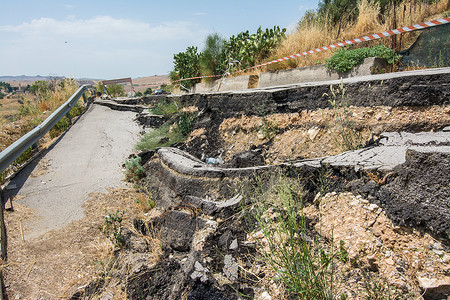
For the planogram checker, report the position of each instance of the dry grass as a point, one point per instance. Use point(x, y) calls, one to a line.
point(57, 263)
point(317, 34)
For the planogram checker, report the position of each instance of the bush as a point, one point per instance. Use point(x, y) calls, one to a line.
point(165, 108)
point(186, 123)
point(112, 227)
point(160, 137)
point(344, 60)
point(134, 169)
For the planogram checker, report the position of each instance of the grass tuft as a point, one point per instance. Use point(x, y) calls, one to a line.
point(303, 264)
point(163, 136)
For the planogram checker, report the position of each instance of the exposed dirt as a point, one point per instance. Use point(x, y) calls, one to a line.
point(383, 258)
point(308, 134)
point(402, 260)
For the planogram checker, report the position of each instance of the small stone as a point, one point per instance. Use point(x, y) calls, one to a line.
point(265, 296)
point(432, 285)
point(312, 133)
point(370, 207)
point(446, 258)
point(379, 243)
point(437, 246)
point(438, 252)
point(258, 235)
point(234, 245)
point(200, 272)
point(230, 268)
point(354, 202)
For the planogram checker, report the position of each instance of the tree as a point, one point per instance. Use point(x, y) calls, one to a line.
point(148, 91)
point(212, 56)
point(186, 65)
point(116, 90)
point(39, 87)
point(100, 87)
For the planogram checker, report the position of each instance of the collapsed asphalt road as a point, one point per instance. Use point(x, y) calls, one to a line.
point(87, 158)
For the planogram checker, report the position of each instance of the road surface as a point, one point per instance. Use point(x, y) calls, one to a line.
point(87, 158)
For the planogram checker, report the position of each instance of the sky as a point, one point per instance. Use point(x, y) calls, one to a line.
point(102, 39)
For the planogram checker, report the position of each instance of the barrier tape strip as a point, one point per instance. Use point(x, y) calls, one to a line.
point(348, 42)
point(152, 84)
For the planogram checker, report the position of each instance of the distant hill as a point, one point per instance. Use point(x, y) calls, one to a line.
point(27, 78)
point(140, 83)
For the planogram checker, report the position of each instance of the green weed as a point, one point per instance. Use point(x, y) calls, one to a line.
point(163, 136)
point(303, 264)
point(344, 59)
point(186, 123)
point(133, 169)
point(165, 108)
point(269, 128)
point(345, 133)
point(111, 227)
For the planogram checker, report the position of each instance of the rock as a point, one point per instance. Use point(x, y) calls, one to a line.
point(177, 228)
point(312, 133)
point(435, 288)
point(371, 207)
point(200, 272)
point(437, 246)
point(230, 268)
point(134, 242)
point(234, 245)
point(438, 252)
point(265, 296)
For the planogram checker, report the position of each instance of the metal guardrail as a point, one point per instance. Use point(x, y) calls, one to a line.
point(10, 154)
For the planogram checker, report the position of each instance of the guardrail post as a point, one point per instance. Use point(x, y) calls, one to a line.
point(2, 243)
point(84, 98)
point(68, 118)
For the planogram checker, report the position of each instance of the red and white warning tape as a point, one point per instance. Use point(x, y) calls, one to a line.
point(349, 42)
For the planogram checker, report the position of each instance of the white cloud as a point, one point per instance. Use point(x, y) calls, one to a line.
point(105, 27)
point(98, 43)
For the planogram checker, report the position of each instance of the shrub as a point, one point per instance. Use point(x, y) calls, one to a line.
point(165, 108)
point(134, 169)
point(112, 227)
point(163, 136)
point(344, 59)
point(186, 123)
point(303, 264)
point(59, 127)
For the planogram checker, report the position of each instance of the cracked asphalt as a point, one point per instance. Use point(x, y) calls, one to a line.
point(87, 158)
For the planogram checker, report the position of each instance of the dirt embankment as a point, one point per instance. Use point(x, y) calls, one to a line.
point(384, 233)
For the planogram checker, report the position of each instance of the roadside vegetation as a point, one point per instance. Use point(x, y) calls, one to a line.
point(333, 21)
point(178, 127)
point(33, 106)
